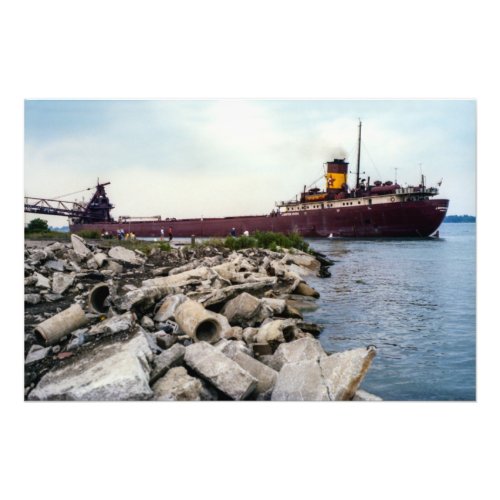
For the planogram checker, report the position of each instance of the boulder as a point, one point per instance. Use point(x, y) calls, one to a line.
point(177, 385)
point(276, 332)
point(277, 306)
point(55, 265)
point(32, 298)
point(147, 323)
point(30, 280)
point(234, 333)
point(115, 324)
point(246, 310)
point(221, 371)
point(265, 376)
point(52, 297)
point(304, 289)
point(305, 263)
point(37, 353)
point(249, 334)
point(168, 307)
point(114, 266)
point(117, 371)
point(300, 381)
point(222, 295)
point(41, 281)
point(166, 360)
point(344, 371)
point(125, 256)
point(79, 247)
point(305, 349)
point(165, 340)
point(38, 256)
point(100, 258)
point(143, 297)
point(178, 280)
point(62, 281)
point(230, 347)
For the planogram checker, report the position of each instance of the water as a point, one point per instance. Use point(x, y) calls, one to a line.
point(415, 300)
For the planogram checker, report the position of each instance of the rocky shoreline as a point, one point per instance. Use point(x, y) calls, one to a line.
point(190, 324)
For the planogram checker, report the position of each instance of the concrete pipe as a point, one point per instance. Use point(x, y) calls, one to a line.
point(97, 298)
point(56, 327)
point(198, 323)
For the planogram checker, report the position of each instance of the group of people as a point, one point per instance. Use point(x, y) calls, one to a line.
point(122, 235)
point(233, 232)
point(170, 234)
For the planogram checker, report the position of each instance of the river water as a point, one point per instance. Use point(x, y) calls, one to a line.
point(415, 300)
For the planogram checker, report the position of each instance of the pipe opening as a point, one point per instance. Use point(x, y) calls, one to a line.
point(40, 336)
point(207, 331)
point(288, 333)
point(97, 298)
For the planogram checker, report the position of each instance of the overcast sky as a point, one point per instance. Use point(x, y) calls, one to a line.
point(237, 157)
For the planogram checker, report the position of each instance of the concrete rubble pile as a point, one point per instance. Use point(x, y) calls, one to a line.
point(191, 324)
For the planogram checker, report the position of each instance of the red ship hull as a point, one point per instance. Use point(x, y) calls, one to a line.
point(401, 219)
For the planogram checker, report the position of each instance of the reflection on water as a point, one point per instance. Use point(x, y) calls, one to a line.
point(412, 298)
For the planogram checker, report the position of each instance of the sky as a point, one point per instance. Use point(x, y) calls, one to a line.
point(193, 158)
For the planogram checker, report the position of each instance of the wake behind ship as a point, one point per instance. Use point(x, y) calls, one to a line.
point(365, 210)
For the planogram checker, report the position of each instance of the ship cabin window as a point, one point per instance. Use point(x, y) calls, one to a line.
point(359, 203)
point(369, 201)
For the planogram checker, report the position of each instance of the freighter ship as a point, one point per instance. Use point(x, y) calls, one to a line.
point(381, 209)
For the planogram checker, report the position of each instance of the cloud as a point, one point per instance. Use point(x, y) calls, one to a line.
point(188, 158)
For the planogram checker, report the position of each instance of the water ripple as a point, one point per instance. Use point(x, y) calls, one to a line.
point(414, 300)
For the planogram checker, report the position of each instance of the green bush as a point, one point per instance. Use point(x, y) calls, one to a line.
point(237, 243)
point(165, 247)
point(37, 226)
point(267, 239)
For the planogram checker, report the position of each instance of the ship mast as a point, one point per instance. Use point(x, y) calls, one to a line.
point(359, 156)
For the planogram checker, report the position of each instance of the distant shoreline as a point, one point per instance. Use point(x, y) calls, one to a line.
point(459, 218)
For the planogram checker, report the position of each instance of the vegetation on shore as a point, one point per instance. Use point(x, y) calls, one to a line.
point(260, 239)
point(38, 229)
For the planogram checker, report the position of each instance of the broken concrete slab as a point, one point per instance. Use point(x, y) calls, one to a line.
point(62, 281)
point(298, 350)
point(302, 381)
point(221, 371)
point(118, 371)
point(56, 265)
point(100, 258)
point(125, 256)
point(41, 281)
point(304, 289)
point(246, 310)
point(276, 332)
point(115, 324)
point(177, 385)
point(344, 371)
point(37, 353)
point(32, 298)
point(265, 376)
point(306, 264)
point(80, 247)
point(173, 356)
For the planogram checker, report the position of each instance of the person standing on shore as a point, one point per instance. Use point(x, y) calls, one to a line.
point(170, 234)
point(161, 234)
